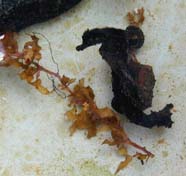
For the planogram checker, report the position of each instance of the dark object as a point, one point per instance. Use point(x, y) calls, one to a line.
point(132, 82)
point(18, 14)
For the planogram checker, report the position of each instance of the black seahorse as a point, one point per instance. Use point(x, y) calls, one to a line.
point(132, 82)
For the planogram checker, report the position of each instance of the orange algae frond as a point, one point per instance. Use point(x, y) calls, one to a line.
point(85, 114)
point(136, 17)
point(31, 51)
point(27, 59)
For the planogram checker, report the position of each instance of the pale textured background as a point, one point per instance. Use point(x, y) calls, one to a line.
point(34, 136)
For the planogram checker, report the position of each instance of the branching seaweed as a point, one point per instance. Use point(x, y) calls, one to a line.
point(85, 114)
point(136, 17)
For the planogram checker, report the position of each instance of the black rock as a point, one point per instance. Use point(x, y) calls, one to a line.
point(18, 14)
